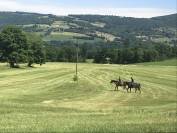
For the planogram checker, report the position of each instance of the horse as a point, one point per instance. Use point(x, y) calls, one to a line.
point(125, 85)
point(117, 83)
point(136, 86)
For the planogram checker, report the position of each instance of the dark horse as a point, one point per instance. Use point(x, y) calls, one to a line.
point(136, 86)
point(117, 83)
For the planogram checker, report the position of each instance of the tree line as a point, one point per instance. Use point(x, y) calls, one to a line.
point(104, 53)
point(17, 46)
point(135, 54)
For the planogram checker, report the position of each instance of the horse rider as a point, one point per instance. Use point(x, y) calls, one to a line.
point(132, 80)
point(119, 80)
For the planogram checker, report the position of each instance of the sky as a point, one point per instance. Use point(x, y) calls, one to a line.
point(128, 8)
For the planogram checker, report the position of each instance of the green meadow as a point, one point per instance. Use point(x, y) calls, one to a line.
point(170, 62)
point(69, 36)
point(46, 99)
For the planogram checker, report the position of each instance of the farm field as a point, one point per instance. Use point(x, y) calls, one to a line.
point(46, 99)
point(63, 36)
point(69, 36)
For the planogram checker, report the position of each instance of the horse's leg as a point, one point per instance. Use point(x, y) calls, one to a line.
point(135, 90)
point(123, 86)
point(140, 90)
point(128, 89)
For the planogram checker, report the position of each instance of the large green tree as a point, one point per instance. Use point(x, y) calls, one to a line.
point(13, 45)
point(36, 52)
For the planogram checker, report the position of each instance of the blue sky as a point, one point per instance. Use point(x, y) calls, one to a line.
point(166, 4)
point(132, 8)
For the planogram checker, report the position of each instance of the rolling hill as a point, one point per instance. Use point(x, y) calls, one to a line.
point(96, 27)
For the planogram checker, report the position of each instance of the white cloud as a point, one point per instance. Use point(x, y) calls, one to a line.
point(14, 5)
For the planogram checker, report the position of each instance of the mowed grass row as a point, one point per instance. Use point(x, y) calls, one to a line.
point(46, 99)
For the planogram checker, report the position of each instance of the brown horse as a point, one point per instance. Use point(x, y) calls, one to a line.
point(118, 83)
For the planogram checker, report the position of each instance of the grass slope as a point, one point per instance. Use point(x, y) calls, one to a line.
point(169, 62)
point(62, 36)
point(45, 99)
point(69, 36)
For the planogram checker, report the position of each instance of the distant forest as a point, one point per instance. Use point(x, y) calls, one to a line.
point(110, 53)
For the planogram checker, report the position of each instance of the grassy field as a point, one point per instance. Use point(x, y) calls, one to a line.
point(98, 24)
point(45, 99)
point(69, 36)
point(169, 62)
point(62, 36)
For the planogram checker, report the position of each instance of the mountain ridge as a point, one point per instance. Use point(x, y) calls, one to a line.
point(102, 28)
